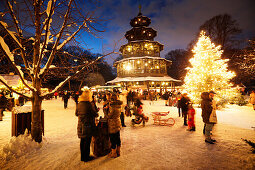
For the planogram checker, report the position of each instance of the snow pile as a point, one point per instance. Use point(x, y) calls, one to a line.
point(18, 146)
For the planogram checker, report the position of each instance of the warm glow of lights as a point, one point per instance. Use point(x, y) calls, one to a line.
point(129, 48)
point(157, 67)
point(208, 71)
point(146, 45)
point(152, 82)
point(146, 64)
point(128, 67)
point(163, 83)
point(167, 84)
point(138, 62)
point(137, 83)
point(144, 31)
point(149, 61)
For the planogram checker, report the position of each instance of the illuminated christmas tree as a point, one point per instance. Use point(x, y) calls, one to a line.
point(208, 71)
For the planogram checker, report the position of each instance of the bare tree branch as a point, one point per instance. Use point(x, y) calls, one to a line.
point(70, 77)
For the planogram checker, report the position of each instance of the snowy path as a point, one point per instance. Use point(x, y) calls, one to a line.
point(149, 147)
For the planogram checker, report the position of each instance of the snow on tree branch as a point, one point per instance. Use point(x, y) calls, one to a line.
point(59, 35)
point(5, 49)
point(14, 18)
point(4, 25)
point(46, 27)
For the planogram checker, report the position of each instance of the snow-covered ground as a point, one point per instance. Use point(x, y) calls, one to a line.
point(149, 147)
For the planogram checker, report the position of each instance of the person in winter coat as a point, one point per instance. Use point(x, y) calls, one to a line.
point(191, 118)
point(184, 102)
point(123, 98)
point(252, 99)
point(178, 97)
point(3, 105)
point(165, 96)
point(86, 124)
point(208, 111)
point(106, 104)
point(66, 96)
point(114, 125)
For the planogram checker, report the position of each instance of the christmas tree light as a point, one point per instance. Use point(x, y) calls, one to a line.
point(208, 71)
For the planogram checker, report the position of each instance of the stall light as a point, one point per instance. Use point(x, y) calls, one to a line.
point(137, 83)
point(146, 64)
point(163, 83)
point(157, 66)
point(144, 31)
point(129, 48)
point(152, 82)
point(138, 62)
point(167, 84)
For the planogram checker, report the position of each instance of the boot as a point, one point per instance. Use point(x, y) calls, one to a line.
point(113, 154)
point(209, 140)
point(118, 151)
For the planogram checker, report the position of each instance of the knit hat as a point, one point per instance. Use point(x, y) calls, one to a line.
point(85, 96)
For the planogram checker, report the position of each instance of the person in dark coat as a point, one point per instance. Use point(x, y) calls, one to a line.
point(207, 108)
point(66, 96)
point(76, 97)
point(86, 124)
point(184, 102)
point(3, 104)
point(114, 125)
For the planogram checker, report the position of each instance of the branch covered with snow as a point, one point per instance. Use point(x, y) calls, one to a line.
point(59, 35)
point(10, 33)
point(5, 49)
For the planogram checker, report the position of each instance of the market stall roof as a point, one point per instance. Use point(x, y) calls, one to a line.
point(131, 79)
point(12, 80)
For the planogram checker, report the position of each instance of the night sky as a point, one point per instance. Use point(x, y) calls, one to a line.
point(177, 21)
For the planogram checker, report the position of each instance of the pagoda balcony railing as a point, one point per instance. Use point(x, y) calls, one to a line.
point(142, 73)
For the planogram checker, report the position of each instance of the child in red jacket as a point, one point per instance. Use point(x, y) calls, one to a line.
point(191, 117)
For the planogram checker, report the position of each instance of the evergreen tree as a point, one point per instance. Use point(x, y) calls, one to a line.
point(208, 71)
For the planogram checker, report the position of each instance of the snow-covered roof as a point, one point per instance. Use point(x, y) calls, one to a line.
point(149, 78)
point(144, 57)
point(12, 80)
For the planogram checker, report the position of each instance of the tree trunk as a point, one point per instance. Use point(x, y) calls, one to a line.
point(36, 126)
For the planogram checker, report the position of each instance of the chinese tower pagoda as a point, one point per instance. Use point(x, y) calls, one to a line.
point(142, 66)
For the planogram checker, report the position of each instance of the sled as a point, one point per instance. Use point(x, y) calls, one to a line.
point(159, 118)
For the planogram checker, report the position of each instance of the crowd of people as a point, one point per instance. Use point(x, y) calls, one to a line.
point(117, 105)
